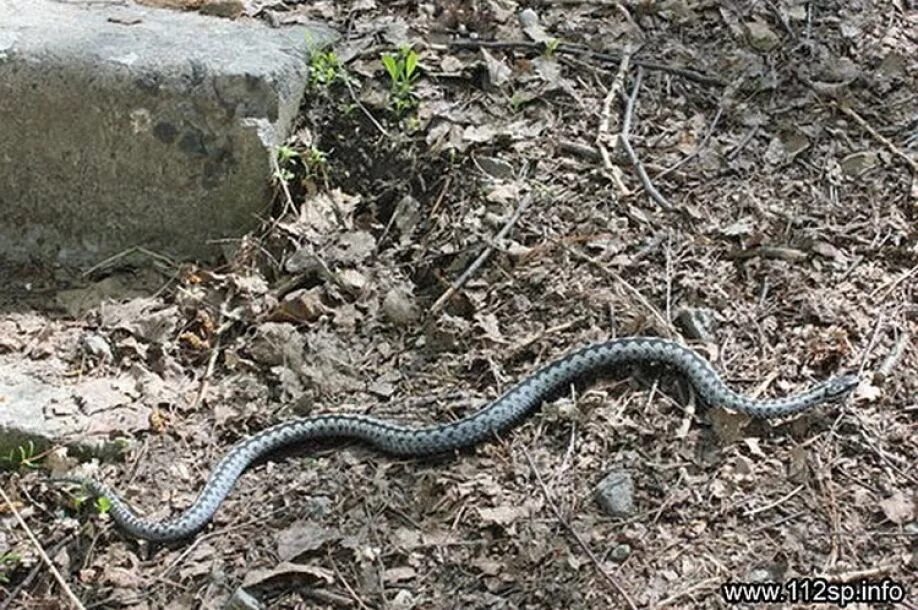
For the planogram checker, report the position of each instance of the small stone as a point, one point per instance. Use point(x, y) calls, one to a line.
point(857, 163)
point(615, 494)
point(762, 37)
point(400, 307)
point(760, 575)
point(620, 553)
point(352, 281)
point(529, 21)
point(351, 248)
point(403, 600)
point(496, 168)
point(277, 343)
point(96, 346)
point(303, 305)
point(243, 600)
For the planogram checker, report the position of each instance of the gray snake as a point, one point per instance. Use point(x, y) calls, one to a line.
point(503, 413)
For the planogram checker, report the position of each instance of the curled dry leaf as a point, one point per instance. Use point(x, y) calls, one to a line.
point(899, 508)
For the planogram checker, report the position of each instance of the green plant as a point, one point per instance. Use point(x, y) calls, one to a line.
point(8, 562)
point(324, 68)
point(313, 160)
point(286, 160)
point(402, 70)
point(551, 46)
point(102, 505)
point(24, 456)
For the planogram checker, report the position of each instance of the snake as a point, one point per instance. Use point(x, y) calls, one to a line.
point(487, 423)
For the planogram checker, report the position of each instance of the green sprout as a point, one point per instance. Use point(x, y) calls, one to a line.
point(286, 159)
point(22, 456)
point(102, 505)
point(313, 160)
point(8, 562)
point(324, 69)
point(551, 46)
point(402, 70)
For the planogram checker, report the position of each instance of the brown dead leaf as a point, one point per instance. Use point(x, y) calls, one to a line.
point(302, 537)
point(299, 306)
point(399, 574)
point(502, 515)
point(899, 508)
point(289, 571)
point(498, 72)
point(487, 565)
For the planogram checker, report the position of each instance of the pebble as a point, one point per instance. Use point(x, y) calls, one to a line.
point(243, 600)
point(400, 308)
point(615, 494)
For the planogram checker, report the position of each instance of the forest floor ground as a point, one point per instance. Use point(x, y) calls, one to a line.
point(774, 232)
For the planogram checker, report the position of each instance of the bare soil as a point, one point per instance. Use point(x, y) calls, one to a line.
point(782, 139)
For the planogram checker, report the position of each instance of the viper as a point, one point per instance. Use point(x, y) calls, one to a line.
point(487, 423)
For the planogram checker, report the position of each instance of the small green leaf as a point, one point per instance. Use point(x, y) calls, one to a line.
point(391, 66)
point(411, 62)
point(103, 505)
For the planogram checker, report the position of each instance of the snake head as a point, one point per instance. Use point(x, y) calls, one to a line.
point(839, 387)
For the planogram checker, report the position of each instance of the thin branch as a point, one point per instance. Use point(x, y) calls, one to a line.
point(879, 137)
point(580, 541)
point(776, 503)
point(74, 600)
point(12, 595)
point(602, 132)
point(888, 288)
point(626, 144)
point(363, 109)
point(574, 49)
point(215, 351)
point(894, 356)
point(478, 262)
point(288, 198)
point(354, 595)
point(707, 583)
point(701, 146)
point(665, 325)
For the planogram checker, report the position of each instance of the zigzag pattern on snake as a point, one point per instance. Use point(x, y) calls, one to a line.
point(485, 424)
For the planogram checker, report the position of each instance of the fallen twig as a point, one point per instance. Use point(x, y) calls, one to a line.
point(74, 600)
point(580, 542)
point(354, 595)
point(363, 109)
point(871, 572)
point(665, 325)
point(701, 145)
point(893, 357)
point(12, 595)
point(602, 132)
point(887, 288)
point(707, 583)
point(878, 136)
point(784, 253)
point(478, 262)
point(761, 509)
point(574, 49)
point(626, 144)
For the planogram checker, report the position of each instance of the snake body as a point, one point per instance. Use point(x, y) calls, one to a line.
point(504, 413)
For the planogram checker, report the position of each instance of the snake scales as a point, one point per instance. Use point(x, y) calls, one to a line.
point(499, 416)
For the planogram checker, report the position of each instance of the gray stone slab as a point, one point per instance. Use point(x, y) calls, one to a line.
point(126, 126)
point(41, 406)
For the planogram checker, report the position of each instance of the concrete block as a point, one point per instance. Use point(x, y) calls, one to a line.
point(41, 408)
point(127, 126)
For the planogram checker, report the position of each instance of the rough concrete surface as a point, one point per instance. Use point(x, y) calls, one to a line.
point(127, 126)
point(41, 406)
